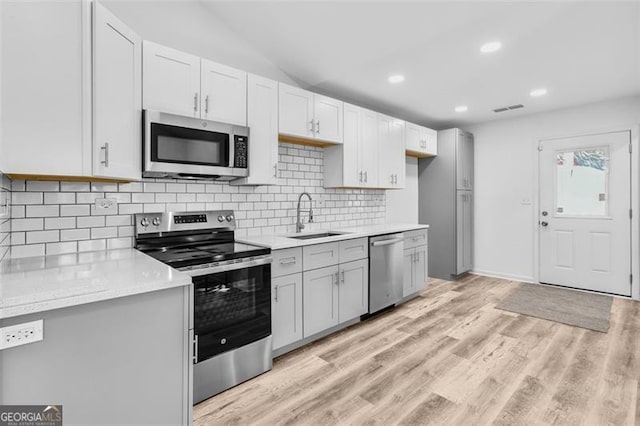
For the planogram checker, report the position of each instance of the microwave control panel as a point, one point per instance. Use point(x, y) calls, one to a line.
point(241, 151)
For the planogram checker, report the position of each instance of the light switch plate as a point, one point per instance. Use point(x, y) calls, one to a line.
point(21, 334)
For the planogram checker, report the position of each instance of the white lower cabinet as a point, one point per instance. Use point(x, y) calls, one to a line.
point(320, 299)
point(415, 270)
point(286, 310)
point(353, 297)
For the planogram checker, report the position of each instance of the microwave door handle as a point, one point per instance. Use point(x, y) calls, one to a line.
point(232, 150)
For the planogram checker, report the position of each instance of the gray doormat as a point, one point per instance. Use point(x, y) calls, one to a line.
point(586, 310)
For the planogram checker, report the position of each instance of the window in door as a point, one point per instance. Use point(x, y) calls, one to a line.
point(582, 182)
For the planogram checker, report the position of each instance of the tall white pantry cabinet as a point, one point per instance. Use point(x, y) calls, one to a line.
point(71, 92)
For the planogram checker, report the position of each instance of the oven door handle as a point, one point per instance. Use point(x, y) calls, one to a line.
point(229, 267)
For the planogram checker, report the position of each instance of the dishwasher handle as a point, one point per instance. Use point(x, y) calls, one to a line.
point(386, 242)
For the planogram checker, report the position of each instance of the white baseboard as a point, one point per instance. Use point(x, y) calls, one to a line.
point(511, 277)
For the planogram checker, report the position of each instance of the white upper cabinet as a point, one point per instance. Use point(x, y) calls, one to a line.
point(420, 141)
point(304, 114)
point(223, 93)
point(296, 111)
point(354, 164)
point(328, 115)
point(117, 97)
point(72, 93)
point(262, 119)
point(391, 152)
point(171, 80)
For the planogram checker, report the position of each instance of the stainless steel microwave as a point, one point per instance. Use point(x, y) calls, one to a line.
point(184, 147)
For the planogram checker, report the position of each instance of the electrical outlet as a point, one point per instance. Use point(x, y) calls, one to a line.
point(106, 203)
point(21, 334)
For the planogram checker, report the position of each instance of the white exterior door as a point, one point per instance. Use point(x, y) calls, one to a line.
point(584, 218)
point(171, 80)
point(224, 93)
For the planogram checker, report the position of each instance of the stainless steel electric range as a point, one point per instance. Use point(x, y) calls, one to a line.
point(232, 293)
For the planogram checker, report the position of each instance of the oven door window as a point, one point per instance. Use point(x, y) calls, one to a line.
point(232, 309)
point(173, 144)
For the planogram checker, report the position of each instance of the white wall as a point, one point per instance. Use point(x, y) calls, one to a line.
point(402, 204)
point(504, 177)
point(189, 26)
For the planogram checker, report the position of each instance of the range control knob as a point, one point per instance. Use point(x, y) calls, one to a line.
point(220, 218)
point(229, 218)
point(144, 222)
point(156, 221)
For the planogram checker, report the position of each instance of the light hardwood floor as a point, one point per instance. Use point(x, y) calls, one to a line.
point(449, 357)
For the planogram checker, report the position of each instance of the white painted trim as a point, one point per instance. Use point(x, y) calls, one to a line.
point(635, 202)
point(510, 277)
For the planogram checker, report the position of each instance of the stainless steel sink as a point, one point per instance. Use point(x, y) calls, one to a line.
point(312, 236)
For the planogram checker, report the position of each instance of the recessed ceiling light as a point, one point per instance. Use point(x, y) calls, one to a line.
point(538, 92)
point(396, 78)
point(491, 47)
point(461, 108)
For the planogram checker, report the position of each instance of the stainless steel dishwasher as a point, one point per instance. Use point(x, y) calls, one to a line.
point(385, 271)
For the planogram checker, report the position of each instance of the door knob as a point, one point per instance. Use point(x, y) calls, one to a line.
point(544, 223)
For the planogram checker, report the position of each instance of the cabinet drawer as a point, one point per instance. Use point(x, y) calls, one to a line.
point(320, 255)
point(415, 238)
point(286, 261)
point(355, 249)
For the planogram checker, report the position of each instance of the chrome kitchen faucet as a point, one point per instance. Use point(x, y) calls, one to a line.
point(299, 224)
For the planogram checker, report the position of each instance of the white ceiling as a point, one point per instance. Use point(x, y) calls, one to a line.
point(580, 51)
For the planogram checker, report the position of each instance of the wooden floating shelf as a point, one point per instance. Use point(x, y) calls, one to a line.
point(418, 154)
point(304, 141)
point(19, 176)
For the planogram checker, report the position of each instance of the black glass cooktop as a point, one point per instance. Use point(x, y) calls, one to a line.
point(182, 256)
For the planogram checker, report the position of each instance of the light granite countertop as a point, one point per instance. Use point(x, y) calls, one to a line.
point(44, 283)
point(282, 241)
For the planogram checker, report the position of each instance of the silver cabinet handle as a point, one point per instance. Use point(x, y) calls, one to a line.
point(276, 292)
point(275, 170)
point(343, 276)
point(288, 261)
point(195, 349)
point(206, 104)
point(105, 148)
point(365, 177)
point(386, 242)
point(391, 177)
point(318, 127)
point(337, 278)
point(195, 102)
point(312, 129)
point(360, 175)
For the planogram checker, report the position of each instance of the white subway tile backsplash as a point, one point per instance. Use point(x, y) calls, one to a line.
point(264, 209)
point(34, 237)
point(27, 250)
point(43, 211)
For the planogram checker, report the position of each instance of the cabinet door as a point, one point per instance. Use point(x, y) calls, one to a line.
point(224, 93)
point(353, 173)
point(328, 114)
point(420, 268)
point(386, 158)
point(354, 290)
point(262, 119)
point(464, 161)
point(171, 80)
point(320, 255)
point(369, 148)
point(117, 97)
point(399, 157)
point(408, 283)
point(412, 137)
point(320, 300)
point(296, 111)
point(286, 310)
point(463, 232)
point(431, 141)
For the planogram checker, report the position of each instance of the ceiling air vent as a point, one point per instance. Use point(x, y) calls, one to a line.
point(507, 108)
